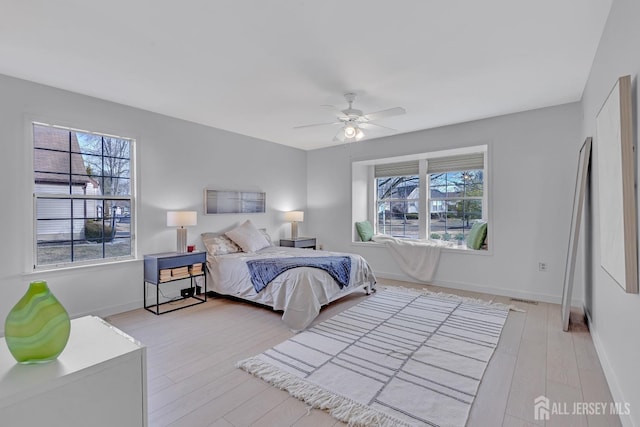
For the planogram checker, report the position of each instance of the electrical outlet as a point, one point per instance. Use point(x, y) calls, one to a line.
point(542, 266)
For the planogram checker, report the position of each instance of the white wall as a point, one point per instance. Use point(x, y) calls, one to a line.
point(614, 315)
point(533, 160)
point(176, 161)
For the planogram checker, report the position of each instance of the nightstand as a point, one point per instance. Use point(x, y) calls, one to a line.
point(170, 267)
point(299, 242)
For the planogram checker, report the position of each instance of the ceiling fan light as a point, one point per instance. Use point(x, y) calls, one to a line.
point(351, 131)
point(359, 134)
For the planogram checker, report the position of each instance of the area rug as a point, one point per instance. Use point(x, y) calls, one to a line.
point(399, 358)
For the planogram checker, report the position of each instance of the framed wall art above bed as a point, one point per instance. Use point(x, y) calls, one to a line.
point(225, 201)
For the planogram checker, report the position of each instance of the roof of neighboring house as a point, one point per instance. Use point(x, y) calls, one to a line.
point(437, 194)
point(46, 161)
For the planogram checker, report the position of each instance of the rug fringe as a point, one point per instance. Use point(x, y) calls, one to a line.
point(468, 300)
point(340, 407)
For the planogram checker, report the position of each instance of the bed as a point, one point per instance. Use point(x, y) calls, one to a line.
point(299, 292)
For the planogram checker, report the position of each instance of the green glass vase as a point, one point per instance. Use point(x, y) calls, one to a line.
point(37, 327)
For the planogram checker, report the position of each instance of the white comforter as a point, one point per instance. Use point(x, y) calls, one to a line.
point(299, 292)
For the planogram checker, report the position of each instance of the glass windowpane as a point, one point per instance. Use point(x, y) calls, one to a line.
point(398, 206)
point(79, 164)
point(451, 214)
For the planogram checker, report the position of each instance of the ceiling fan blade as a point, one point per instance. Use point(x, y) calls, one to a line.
point(395, 111)
point(370, 125)
point(317, 124)
point(333, 108)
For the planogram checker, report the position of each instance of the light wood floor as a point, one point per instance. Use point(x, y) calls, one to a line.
point(192, 379)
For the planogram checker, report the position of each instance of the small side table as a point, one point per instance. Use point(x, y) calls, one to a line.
point(299, 242)
point(157, 271)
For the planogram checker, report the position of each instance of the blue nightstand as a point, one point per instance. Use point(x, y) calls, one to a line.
point(169, 267)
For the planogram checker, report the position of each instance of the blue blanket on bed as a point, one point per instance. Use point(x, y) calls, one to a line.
point(265, 270)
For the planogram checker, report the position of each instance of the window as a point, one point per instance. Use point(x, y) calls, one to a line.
point(430, 195)
point(455, 202)
point(456, 194)
point(83, 196)
point(398, 199)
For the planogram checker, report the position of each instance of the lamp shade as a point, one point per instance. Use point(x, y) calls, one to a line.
point(294, 216)
point(181, 218)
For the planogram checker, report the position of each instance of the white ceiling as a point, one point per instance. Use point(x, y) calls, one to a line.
point(259, 68)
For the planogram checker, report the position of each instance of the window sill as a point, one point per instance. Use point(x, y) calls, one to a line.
point(454, 248)
point(71, 267)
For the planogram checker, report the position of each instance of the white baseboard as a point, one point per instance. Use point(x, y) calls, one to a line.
point(108, 311)
point(609, 374)
point(553, 299)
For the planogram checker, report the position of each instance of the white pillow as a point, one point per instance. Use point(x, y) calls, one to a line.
point(266, 235)
point(248, 237)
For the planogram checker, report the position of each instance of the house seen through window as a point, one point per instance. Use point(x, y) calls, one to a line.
point(398, 206)
point(83, 196)
point(437, 197)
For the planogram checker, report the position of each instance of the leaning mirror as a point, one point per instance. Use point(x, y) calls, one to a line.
point(574, 233)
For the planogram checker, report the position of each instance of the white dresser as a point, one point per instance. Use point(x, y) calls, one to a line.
point(98, 380)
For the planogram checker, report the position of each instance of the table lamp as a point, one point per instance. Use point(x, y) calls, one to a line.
point(181, 219)
point(294, 217)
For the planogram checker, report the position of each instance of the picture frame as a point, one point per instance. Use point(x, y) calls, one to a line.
point(226, 201)
point(584, 160)
point(616, 181)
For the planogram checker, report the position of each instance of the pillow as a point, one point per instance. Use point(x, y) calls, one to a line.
point(219, 244)
point(248, 237)
point(476, 235)
point(365, 230)
point(266, 235)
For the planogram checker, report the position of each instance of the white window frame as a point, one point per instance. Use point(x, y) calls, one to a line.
point(364, 197)
point(428, 198)
point(377, 225)
point(131, 198)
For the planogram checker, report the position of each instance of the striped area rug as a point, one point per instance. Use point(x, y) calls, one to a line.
point(399, 358)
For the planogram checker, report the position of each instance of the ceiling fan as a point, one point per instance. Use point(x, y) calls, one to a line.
point(353, 120)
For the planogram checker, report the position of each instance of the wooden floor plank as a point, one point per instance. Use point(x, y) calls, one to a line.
point(490, 404)
point(511, 421)
point(512, 333)
point(562, 366)
point(565, 397)
point(315, 418)
point(257, 407)
point(529, 378)
point(182, 405)
point(287, 413)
